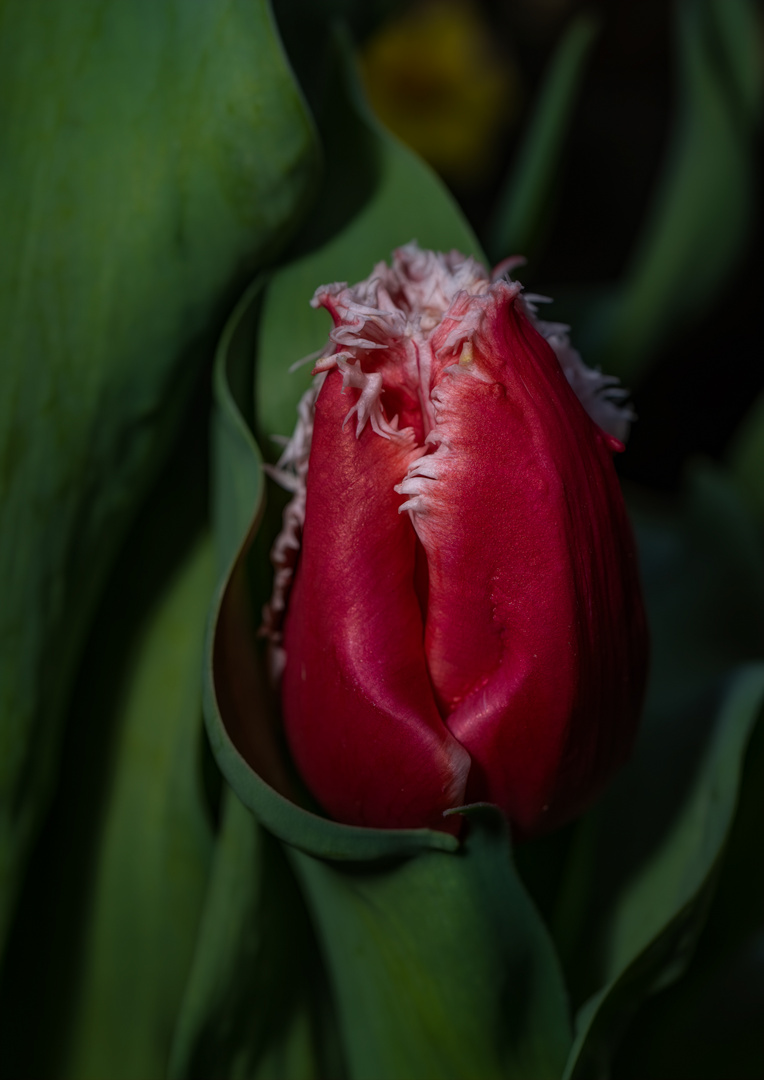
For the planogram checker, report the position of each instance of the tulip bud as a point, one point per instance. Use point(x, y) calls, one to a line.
point(457, 614)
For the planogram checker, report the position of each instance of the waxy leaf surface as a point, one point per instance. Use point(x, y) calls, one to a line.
point(154, 155)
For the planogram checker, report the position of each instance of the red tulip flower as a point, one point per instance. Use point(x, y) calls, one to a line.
point(457, 612)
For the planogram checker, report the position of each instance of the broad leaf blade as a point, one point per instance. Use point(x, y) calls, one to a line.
point(155, 155)
point(250, 1007)
point(658, 916)
point(152, 863)
point(644, 864)
point(441, 965)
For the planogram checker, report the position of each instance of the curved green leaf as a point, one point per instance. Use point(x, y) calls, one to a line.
point(154, 155)
point(699, 221)
point(655, 923)
point(524, 201)
point(708, 1024)
point(644, 864)
point(153, 852)
point(405, 202)
point(240, 724)
point(250, 1007)
point(441, 965)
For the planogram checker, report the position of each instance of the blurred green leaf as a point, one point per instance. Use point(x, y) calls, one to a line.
point(703, 575)
point(249, 1008)
point(746, 458)
point(441, 965)
point(53, 927)
point(708, 1024)
point(307, 26)
point(403, 201)
point(699, 221)
point(154, 156)
point(651, 930)
point(153, 851)
point(523, 205)
point(734, 27)
point(643, 865)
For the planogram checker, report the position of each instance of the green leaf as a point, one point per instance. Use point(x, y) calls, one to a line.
point(653, 927)
point(703, 576)
point(699, 221)
point(243, 730)
point(644, 863)
point(440, 964)
point(250, 1007)
point(708, 1024)
point(746, 458)
point(307, 28)
point(404, 201)
point(524, 203)
point(154, 156)
point(153, 852)
point(238, 488)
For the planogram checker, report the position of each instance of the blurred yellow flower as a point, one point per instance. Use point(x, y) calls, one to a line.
point(435, 79)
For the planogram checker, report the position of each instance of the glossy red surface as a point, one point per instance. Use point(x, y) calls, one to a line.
point(488, 643)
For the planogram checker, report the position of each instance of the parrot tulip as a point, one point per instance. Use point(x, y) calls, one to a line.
point(457, 614)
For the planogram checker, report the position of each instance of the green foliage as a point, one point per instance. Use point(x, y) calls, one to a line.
point(154, 849)
point(112, 899)
point(155, 155)
point(255, 1001)
point(159, 155)
point(524, 203)
point(653, 907)
point(644, 864)
point(698, 222)
point(440, 963)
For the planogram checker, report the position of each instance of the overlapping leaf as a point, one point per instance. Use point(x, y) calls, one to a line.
point(240, 719)
point(154, 155)
point(440, 963)
point(255, 1004)
point(109, 911)
point(155, 844)
point(697, 226)
point(644, 866)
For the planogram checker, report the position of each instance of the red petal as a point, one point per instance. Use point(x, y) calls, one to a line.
point(358, 706)
point(535, 634)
